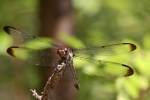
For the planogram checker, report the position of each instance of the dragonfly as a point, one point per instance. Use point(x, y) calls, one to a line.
point(66, 55)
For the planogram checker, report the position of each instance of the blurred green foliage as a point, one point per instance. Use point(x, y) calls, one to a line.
point(97, 22)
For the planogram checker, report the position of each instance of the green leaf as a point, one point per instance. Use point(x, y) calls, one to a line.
point(39, 43)
point(5, 42)
point(71, 41)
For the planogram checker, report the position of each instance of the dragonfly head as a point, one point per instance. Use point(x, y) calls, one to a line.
point(65, 53)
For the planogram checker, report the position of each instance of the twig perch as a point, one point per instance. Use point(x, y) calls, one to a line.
point(35, 94)
point(51, 83)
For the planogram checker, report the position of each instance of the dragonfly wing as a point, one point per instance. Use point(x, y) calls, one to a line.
point(103, 68)
point(25, 49)
point(18, 36)
point(18, 52)
point(33, 57)
point(117, 69)
point(118, 48)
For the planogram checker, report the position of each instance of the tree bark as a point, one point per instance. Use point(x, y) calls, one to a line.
point(56, 16)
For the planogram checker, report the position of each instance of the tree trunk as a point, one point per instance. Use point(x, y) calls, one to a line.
point(55, 17)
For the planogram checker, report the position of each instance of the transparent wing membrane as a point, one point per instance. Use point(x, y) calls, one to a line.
point(103, 68)
point(18, 36)
point(116, 69)
point(110, 49)
point(100, 67)
point(37, 51)
point(96, 67)
point(34, 57)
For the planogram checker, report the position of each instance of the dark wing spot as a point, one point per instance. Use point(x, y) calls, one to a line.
point(132, 46)
point(7, 29)
point(10, 50)
point(130, 70)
